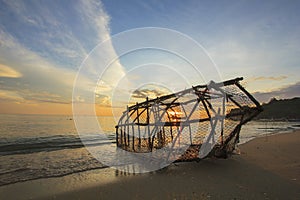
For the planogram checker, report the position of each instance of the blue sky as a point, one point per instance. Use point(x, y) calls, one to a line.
point(43, 44)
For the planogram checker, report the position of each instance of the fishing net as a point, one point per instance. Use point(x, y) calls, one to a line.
point(210, 115)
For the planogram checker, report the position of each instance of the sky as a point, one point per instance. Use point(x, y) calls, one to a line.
point(43, 45)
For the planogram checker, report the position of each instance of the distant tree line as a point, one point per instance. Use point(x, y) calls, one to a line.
point(283, 109)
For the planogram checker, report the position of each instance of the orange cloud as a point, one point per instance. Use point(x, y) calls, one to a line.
point(273, 78)
point(10, 96)
point(6, 71)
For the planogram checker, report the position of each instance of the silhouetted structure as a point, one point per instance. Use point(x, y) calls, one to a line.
point(202, 115)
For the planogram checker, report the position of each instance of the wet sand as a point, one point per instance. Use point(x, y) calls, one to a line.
point(267, 168)
point(278, 153)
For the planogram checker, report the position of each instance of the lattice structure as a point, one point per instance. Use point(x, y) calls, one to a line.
point(202, 115)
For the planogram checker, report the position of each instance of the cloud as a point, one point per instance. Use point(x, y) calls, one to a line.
point(44, 58)
point(143, 93)
point(38, 74)
point(31, 97)
point(286, 92)
point(44, 30)
point(103, 100)
point(90, 10)
point(150, 90)
point(272, 78)
point(10, 96)
point(6, 71)
point(267, 83)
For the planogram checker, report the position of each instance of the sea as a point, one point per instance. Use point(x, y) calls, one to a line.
point(43, 146)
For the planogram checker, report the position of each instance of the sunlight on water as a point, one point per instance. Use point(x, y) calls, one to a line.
point(255, 129)
point(38, 146)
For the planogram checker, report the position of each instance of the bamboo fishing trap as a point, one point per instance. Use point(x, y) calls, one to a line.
point(211, 114)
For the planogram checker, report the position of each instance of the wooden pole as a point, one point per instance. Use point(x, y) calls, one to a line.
point(148, 124)
point(133, 138)
point(138, 121)
point(117, 136)
point(128, 141)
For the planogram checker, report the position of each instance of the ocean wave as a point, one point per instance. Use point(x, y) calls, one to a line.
point(23, 167)
point(50, 143)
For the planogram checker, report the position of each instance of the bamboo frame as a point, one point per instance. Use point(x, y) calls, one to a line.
point(164, 130)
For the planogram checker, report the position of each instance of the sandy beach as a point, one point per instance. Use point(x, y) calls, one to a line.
point(267, 168)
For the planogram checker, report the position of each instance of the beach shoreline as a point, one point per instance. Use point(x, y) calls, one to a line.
point(267, 168)
point(277, 152)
